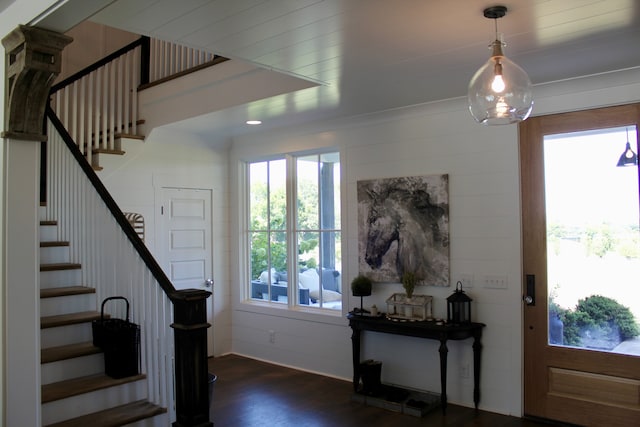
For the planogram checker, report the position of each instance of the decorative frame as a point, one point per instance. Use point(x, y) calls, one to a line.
point(404, 227)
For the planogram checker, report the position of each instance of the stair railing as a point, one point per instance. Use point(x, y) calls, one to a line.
point(115, 261)
point(99, 103)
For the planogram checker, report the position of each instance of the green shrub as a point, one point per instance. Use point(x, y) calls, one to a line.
point(596, 312)
point(603, 311)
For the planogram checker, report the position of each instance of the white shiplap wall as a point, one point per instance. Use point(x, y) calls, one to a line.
point(167, 159)
point(482, 163)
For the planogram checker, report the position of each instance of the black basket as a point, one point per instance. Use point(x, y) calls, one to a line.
point(119, 339)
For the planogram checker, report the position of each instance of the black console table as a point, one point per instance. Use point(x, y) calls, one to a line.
point(420, 329)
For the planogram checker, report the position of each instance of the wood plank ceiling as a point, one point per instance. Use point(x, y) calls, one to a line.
point(372, 55)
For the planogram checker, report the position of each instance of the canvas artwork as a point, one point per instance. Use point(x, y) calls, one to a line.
point(404, 226)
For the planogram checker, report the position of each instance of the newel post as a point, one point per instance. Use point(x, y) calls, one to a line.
point(192, 379)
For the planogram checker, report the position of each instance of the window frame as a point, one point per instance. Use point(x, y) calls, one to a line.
point(291, 231)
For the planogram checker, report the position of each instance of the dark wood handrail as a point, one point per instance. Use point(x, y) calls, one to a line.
point(142, 41)
point(115, 210)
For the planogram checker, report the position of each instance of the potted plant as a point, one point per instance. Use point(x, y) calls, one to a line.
point(409, 281)
point(361, 287)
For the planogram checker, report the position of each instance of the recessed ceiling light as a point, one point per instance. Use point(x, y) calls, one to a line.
point(254, 122)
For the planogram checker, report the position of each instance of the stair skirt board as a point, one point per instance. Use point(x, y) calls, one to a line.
point(94, 401)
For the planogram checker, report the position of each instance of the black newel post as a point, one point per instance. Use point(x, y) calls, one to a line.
point(190, 335)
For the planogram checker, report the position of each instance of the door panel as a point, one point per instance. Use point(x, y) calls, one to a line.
point(186, 242)
point(566, 382)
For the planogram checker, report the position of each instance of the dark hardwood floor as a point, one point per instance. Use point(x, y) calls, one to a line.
point(250, 393)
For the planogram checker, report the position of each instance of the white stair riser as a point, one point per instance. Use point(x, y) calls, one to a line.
point(72, 368)
point(54, 254)
point(63, 335)
point(67, 304)
point(75, 406)
point(48, 233)
point(54, 279)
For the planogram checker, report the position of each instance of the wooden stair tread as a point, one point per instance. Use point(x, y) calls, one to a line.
point(114, 417)
point(66, 291)
point(129, 136)
point(76, 386)
point(70, 351)
point(107, 151)
point(60, 266)
point(53, 244)
point(68, 319)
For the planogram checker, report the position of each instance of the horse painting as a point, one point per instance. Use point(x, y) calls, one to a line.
point(404, 227)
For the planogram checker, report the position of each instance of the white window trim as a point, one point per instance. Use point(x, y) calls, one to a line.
point(291, 309)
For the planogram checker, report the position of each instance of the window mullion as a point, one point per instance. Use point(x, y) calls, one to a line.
point(291, 231)
point(320, 227)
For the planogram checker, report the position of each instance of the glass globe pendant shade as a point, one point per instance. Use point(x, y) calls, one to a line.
point(500, 91)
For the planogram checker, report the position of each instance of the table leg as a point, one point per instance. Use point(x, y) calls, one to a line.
point(477, 350)
point(443, 374)
point(355, 346)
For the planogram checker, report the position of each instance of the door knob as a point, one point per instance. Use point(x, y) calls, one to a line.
point(208, 283)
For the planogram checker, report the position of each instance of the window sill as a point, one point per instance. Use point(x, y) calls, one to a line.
point(309, 314)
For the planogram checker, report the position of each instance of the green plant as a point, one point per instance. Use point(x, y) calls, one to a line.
point(409, 281)
point(596, 312)
point(361, 286)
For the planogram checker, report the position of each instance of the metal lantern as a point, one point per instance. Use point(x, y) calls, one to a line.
point(458, 306)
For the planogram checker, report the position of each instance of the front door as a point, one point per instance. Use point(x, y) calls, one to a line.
point(581, 258)
point(186, 243)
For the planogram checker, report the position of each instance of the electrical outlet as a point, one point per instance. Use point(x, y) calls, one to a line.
point(495, 282)
point(464, 370)
point(466, 280)
point(272, 336)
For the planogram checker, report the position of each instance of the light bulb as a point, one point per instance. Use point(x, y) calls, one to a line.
point(498, 84)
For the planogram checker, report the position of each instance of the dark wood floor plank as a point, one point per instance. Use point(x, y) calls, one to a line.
point(251, 393)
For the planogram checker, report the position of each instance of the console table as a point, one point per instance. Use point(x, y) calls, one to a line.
point(420, 329)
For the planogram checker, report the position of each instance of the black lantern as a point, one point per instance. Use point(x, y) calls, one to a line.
point(458, 306)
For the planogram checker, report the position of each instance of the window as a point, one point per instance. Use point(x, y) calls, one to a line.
point(294, 231)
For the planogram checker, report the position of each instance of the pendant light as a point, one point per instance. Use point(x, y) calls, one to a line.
point(628, 157)
point(500, 91)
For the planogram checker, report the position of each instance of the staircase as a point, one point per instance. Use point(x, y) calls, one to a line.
point(75, 390)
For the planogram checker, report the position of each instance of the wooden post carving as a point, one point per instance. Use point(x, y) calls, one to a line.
point(192, 379)
point(32, 63)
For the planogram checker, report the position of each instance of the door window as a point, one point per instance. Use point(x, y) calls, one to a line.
point(593, 240)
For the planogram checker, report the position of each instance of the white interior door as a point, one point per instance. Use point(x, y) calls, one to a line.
point(186, 243)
